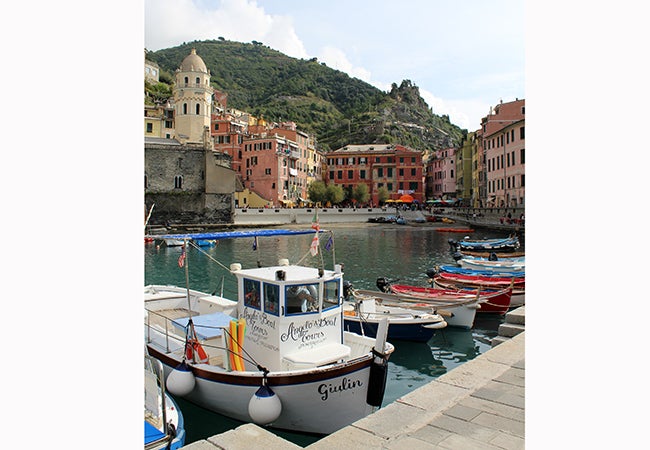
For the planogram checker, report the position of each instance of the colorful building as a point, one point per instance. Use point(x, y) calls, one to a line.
point(503, 142)
point(396, 168)
point(441, 174)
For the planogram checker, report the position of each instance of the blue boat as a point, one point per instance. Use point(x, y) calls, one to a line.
point(483, 273)
point(509, 244)
point(205, 242)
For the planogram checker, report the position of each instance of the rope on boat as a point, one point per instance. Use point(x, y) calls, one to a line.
point(193, 244)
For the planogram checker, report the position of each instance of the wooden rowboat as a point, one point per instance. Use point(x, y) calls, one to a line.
point(491, 301)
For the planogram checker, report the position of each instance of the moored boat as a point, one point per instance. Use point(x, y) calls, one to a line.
point(363, 316)
point(206, 242)
point(495, 255)
point(491, 301)
point(474, 272)
point(277, 355)
point(457, 312)
point(164, 426)
point(509, 244)
point(493, 266)
point(173, 242)
point(460, 256)
point(448, 280)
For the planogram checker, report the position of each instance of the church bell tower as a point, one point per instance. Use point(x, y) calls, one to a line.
point(192, 100)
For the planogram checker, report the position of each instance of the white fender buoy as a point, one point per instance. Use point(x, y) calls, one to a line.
point(181, 380)
point(264, 407)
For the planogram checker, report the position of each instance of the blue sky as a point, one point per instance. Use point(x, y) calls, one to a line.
point(464, 56)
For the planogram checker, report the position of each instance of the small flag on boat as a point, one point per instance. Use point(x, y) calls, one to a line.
point(181, 259)
point(314, 222)
point(255, 243)
point(329, 243)
point(313, 249)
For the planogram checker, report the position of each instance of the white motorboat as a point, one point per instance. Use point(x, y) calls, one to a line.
point(277, 355)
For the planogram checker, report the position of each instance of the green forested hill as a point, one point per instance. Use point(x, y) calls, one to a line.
point(324, 102)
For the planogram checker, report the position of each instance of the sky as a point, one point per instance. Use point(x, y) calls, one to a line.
point(73, 171)
point(464, 56)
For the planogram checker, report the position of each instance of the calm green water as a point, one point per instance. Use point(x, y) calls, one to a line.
point(367, 252)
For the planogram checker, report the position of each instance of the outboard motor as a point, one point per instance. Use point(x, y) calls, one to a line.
point(457, 256)
point(493, 257)
point(453, 245)
point(347, 287)
point(382, 284)
point(432, 272)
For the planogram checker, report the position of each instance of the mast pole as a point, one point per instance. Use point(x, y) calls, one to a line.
point(187, 277)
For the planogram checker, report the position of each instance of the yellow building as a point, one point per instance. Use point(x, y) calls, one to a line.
point(193, 100)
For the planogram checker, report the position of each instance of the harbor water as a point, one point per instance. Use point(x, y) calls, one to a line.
point(367, 252)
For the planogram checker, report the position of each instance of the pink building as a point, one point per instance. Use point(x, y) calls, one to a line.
point(441, 174)
point(503, 141)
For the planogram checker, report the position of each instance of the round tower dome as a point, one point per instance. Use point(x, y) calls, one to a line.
point(193, 63)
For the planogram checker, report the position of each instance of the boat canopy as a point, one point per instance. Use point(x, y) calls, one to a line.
point(234, 234)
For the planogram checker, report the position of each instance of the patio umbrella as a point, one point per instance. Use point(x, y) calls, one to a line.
point(406, 198)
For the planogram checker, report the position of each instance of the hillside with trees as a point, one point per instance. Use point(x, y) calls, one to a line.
point(322, 101)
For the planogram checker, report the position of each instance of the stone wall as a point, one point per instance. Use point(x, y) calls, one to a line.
point(190, 203)
point(190, 208)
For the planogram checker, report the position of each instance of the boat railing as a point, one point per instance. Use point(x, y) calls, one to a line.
point(155, 367)
point(154, 321)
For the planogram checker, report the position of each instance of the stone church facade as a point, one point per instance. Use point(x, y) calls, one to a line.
point(184, 178)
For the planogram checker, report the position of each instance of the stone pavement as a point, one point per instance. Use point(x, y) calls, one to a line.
point(478, 405)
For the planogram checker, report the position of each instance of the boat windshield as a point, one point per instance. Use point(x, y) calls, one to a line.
point(301, 298)
point(330, 294)
point(252, 293)
point(272, 298)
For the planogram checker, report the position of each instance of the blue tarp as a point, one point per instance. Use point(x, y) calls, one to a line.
point(206, 326)
point(151, 433)
point(234, 234)
point(483, 273)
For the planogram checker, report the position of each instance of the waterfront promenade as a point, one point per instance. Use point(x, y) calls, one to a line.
point(494, 218)
point(478, 405)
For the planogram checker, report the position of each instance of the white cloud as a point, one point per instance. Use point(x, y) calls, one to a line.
point(337, 59)
point(464, 113)
point(171, 22)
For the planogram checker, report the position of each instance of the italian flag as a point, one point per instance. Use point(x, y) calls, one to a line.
point(313, 249)
point(314, 221)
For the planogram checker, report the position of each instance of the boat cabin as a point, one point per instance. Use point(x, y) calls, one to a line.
point(293, 316)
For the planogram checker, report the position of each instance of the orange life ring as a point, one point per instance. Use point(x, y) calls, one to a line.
point(192, 348)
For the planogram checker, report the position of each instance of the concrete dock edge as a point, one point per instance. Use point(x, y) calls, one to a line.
point(480, 404)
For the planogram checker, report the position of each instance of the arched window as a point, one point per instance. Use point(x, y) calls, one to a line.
point(146, 181)
point(187, 80)
point(198, 109)
point(184, 108)
point(198, 81)
point(178, 182)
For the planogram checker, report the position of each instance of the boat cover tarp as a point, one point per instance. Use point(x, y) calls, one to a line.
point(151, 433)
point(206, 325)
point(489, 242)
point(234, 234)
point(483, 273)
